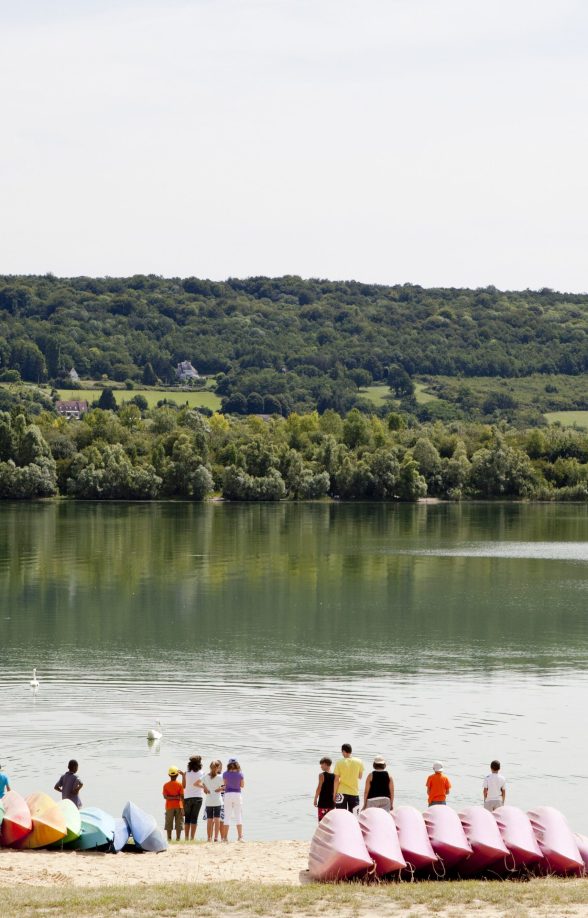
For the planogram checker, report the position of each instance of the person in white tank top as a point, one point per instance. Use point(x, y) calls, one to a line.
point(193, 795)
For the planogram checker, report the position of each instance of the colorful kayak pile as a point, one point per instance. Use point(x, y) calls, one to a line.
point(442, 843)
point(38, 821)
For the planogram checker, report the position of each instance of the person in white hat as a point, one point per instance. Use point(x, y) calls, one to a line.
point(438, 786)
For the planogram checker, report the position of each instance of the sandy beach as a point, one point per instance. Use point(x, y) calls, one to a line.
point(281, 862)
point(253, 879)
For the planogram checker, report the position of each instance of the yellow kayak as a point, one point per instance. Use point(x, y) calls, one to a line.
point(49, 824)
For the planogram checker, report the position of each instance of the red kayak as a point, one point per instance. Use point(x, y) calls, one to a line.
point(483, 835)
point(337, 849)
point(556, 840)
point(414, 841)
point(381, 840)
point(17, 822)
point(517, 834)
point(446, 835)
point(582, 843)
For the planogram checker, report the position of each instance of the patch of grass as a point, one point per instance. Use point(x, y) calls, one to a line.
point(539, 392)
point(422, 394)
point(568, 418)
point(197, 398)
point(537, 897)
point(377, 395)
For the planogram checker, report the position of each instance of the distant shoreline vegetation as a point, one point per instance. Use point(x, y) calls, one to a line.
point(175, 452)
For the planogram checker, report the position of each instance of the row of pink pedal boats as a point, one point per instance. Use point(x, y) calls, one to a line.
point(442, 843)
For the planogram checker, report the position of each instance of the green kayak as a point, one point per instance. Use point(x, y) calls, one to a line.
point(97, 830)
point(73, 823)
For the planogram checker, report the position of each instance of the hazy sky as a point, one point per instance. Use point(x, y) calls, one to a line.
point(431, 141)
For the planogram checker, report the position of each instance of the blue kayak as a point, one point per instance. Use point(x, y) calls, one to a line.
point(156, 841)
point(121, 833)
point(97, 830)
point(144, 828)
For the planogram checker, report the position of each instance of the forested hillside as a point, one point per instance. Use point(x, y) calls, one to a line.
point(283, 344)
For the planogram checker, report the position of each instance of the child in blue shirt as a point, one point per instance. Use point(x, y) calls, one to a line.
point(4, 783)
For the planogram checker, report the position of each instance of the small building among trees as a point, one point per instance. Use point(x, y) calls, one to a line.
point(72, 409)
point(185, 372)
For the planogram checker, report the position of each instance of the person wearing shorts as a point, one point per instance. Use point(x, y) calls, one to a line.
point(234, 783)
point(494, 788)
point(379, 787)
point(173, 793)
point(324, 795)
point(348, 774)
point(213, 785)
point(438, 786)
point(193, 795)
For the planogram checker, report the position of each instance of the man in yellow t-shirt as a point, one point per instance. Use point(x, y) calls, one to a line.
point(348, 774)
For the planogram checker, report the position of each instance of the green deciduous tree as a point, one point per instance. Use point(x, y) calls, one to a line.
point(501, 471)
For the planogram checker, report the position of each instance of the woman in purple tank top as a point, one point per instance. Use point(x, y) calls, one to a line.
point(234, 782)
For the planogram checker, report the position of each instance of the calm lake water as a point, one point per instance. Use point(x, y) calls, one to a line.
point(275, 633)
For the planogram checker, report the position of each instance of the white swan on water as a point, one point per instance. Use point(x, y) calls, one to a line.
point(34, 683)
point(155, 734)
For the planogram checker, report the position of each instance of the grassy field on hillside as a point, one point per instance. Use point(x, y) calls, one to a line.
point(202, 398)
point(378, 395)
point(545, 897)
point(568, 418)
point(421, 393)
point(541, 392)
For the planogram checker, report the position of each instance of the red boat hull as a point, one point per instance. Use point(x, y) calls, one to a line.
point(414, 841)
point(555, 840)
point(446, 835)
point(381, 840)
point(484, 837)
point(17, 822)
point(337, 849)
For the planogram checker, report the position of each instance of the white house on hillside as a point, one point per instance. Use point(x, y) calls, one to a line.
point(185, 371)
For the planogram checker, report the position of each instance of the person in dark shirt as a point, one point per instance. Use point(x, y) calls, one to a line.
point(379, 787)
point(70, 785)
point(324, 796)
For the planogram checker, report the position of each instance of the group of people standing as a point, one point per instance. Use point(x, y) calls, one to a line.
point(339, 789)
point(220, 792)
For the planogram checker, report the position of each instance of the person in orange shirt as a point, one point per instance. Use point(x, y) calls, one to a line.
point(173, 793)
point(438, 786)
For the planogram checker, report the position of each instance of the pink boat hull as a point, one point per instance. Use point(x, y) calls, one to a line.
point(555, 840)
point(484, 838)
point(381, 840)
point(517, 834)
point(337, 849)
point(414, 840)
point(582, 843)
point(446, 835)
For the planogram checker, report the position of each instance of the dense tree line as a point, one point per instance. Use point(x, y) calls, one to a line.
point(168, 452)
point(283, 344)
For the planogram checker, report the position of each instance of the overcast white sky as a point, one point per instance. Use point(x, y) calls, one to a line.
point(431, 141)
